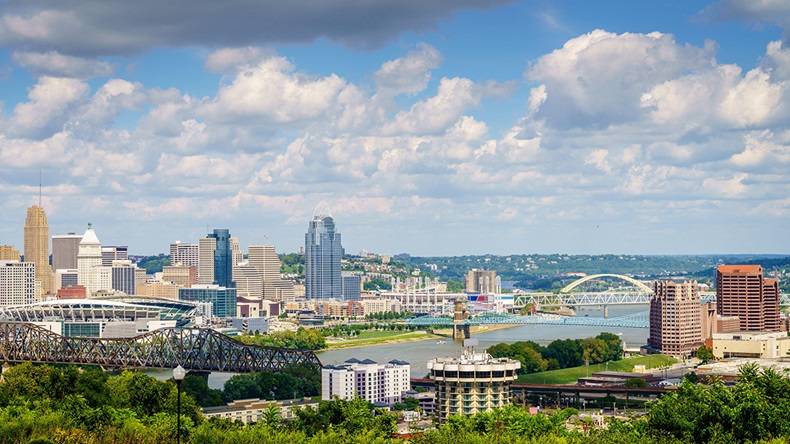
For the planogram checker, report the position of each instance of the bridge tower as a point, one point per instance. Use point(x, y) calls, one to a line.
point(461, 319)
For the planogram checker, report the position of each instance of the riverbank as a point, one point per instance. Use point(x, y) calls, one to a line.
point(381, 338)
point(476, 329)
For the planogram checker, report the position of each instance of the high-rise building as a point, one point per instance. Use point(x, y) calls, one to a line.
point(474, 382)
point(352, 287)
point(184, 254)
point(89, 257)
point(66, 278)
point(114, 253)
point(264, 259)
point(37, 246)
point(323, 252)
point(9, 253)
point(123, 276)
point(366, 379)
point(223, 259)
point(483, 281)
point(65, 248)
point(675, 318)
point(17, 283)
point(742, 291)
point(206, 247)
point(237, 256)
point(248, 281)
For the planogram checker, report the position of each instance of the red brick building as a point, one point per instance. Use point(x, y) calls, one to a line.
point(742, 291)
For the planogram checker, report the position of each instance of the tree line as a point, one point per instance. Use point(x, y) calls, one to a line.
point(560, 353)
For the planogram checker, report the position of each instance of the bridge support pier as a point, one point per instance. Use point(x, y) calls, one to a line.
point(461, 320)
point(606, 311)
point(461, 332)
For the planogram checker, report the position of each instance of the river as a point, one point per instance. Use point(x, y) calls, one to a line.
point(419, 353)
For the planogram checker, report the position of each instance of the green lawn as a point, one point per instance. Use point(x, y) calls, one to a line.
point(569, 375)
point(377, 337)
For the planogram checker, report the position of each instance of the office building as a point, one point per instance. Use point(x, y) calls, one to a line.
point(323, 252)
point(483, 281)
point(742, 291)
point(66, 278)
point(676, 326)
point(206, 247)
point(123, 275)
point(17, 283)
point(223, 259)
point(222, 299)
point(114, 253)
point(89, 257)
point(352, 287)
point(37, 246)
point(9, 253)
point(264, 259)
point(180, 275)
point(248, 281)
point(237, 256)
point(366, 379)
point(471, 383)
point(65, 248)
point(186, 255)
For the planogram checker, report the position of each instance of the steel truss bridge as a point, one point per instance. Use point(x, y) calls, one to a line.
point(195, 349)
point(637, 320)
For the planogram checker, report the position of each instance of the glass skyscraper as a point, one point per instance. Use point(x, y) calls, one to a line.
point(223, 263)
point(322, 250)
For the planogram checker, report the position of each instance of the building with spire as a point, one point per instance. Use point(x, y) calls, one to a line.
point(88, 258)
point(323, 251)
point(37, 246)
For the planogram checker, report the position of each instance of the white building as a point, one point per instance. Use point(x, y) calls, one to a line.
point(366, 379)
point(471, 383)
point(17, 283)
point(184, 254)
point(88, 257)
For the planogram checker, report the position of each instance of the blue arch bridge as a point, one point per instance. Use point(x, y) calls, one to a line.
point(637, 320)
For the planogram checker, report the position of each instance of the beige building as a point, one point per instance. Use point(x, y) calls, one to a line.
point(9, 253)
point(166, 290)
point(264, 258)
point(236, 255)
point(206, 247)
point(474, 382)
point(750, 344)
point(37, 246)
point(248, 281)
point(88, 258)
point(184, 254)
point(17, 283)
point(250, 411)
point(180, 275)
point(675, 318)
point(483, 281)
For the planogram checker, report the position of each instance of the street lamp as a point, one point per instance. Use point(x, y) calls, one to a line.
point(178, 374)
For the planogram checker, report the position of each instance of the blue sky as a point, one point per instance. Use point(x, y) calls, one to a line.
point(435, 128)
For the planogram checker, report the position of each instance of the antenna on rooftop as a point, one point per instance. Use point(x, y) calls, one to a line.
point(39, 188)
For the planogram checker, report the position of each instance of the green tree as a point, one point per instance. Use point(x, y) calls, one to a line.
point(705, 354)
point(455, 286)
point(635, 382)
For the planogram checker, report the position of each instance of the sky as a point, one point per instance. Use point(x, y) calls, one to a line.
point(442, 127)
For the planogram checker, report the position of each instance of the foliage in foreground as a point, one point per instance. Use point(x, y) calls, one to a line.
point(68, 405)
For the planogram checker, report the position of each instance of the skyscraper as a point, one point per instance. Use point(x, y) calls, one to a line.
point(89, 257)
point(206, 247)
point(17, 283)
point(9, 253)
point(675, 318)
point(741, 290)
point(215, 259)
point(323, 251)
point(264, 259)
point(65, 248)
point(114, 253)
point(37, 246)
point(184, 254)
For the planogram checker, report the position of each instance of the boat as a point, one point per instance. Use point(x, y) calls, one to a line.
point(440, 342)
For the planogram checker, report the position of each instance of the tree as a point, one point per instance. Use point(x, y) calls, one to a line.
point(635, 382)
point(705, 354)
point(455, 286)
point(595, 350)
point(567, 352)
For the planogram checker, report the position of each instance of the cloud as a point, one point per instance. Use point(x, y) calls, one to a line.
point(598, 79)
point(59, 65)
point(51, 100)
point(409, 74)
point(128, 27)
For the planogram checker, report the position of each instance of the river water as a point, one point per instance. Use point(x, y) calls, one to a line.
point(419, 353)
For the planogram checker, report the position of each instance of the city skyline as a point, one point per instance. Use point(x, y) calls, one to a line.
point(496, 126)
